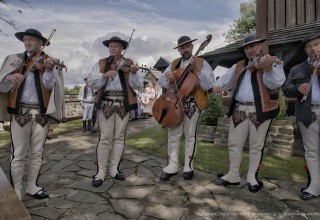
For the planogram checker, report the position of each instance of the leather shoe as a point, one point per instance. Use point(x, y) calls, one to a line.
point(97, 182)
point(188, 175)
point(255, 188)
point(120, 176)
point(41, 194)
point(222, 182)
point(166, 176)
point(307, 196)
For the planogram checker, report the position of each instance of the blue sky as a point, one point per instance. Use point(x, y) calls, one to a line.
point(82, 26)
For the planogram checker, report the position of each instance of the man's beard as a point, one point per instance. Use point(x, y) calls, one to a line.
point(186, 55)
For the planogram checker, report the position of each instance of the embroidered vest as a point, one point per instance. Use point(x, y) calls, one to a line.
point(130, 99)
point(14, 98)
point(266, 100)
point(200, 96)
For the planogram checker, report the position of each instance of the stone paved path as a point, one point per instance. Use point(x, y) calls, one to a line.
point(69, 165)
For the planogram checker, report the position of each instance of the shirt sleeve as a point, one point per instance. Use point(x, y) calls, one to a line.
point(94, 78)
point(162, 79)
point(49, 78)
point(225, 80)
point(135, 81)
point(275, 78)
point(206, 76)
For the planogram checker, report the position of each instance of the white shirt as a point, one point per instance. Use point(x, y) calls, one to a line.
point(96, 81)
point(90, 95)
point(206, 76)
point(273, 79)
point(29, 94)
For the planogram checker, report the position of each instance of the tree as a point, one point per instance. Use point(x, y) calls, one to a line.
point(5, 19)
point(74, 91)
point(244, 25)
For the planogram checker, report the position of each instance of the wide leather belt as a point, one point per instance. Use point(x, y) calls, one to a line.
point(315, 105)
point(33, 106)
point(113, 93)
point(246, 103)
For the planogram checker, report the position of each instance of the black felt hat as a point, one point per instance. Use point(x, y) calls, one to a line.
point(309, 38)
point(115, 39)
point(184, 40)
point(250, 39)
point(31, 32)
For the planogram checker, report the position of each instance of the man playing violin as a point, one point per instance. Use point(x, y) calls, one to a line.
point(254, 105)
point(27, 106)
point(116, 98)
point(303, 81)
point(192, 108)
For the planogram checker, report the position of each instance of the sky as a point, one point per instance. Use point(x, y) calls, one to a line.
point(83, 25)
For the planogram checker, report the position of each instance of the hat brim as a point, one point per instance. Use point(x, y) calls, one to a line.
point(20, 35)
point(122, 42)
point(189, 41)
point(252, 42)
point(310, 39)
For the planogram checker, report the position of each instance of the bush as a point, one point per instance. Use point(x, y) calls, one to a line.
point(282, 105)
point(214, 110)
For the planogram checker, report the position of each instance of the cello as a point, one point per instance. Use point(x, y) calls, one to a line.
point(168, 109)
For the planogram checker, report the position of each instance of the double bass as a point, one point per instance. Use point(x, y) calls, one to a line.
point(168, 109)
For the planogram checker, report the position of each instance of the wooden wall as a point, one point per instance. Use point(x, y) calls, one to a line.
point(289, 13)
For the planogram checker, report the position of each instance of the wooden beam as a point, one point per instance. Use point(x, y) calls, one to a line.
point(291, 18)
point(300, 12)
point(317, 10)
point(262, 23)
point(310, 10)
point(280, 14)
point(271, 15)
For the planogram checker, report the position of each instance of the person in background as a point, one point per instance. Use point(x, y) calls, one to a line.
point(86, 97)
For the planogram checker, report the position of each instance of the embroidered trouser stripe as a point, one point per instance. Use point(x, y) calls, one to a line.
point(112, 135)
point(237, 138)
point(188, 127)
point(311, 144)
point(30, 137)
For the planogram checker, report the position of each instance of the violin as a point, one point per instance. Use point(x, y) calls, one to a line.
point(168, 109)
point(256, 65)
point(314, 65)
point(314, 70)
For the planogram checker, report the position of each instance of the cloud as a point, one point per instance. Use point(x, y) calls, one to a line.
point(81, 28)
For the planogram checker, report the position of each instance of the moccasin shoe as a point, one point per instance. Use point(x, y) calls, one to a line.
point(222, 182)
point(120, 176)
point(41, 194)
point(96, 182)
point(166, 176)
point(255, 188)
point(307, 196)
point(188, 175)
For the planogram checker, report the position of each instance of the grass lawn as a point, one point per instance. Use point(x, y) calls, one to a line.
point(213, 158)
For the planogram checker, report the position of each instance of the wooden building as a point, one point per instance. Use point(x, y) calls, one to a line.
point(288, 22)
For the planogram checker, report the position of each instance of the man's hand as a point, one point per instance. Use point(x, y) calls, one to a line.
point(304, 88)
point(168, 75)
point(217, 90)
point(15, 78)
point(110, 74)
point(134, 69)
point(49, 64)
point(266, 63)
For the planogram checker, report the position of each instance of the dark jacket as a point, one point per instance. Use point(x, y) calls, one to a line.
point(298, 75)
